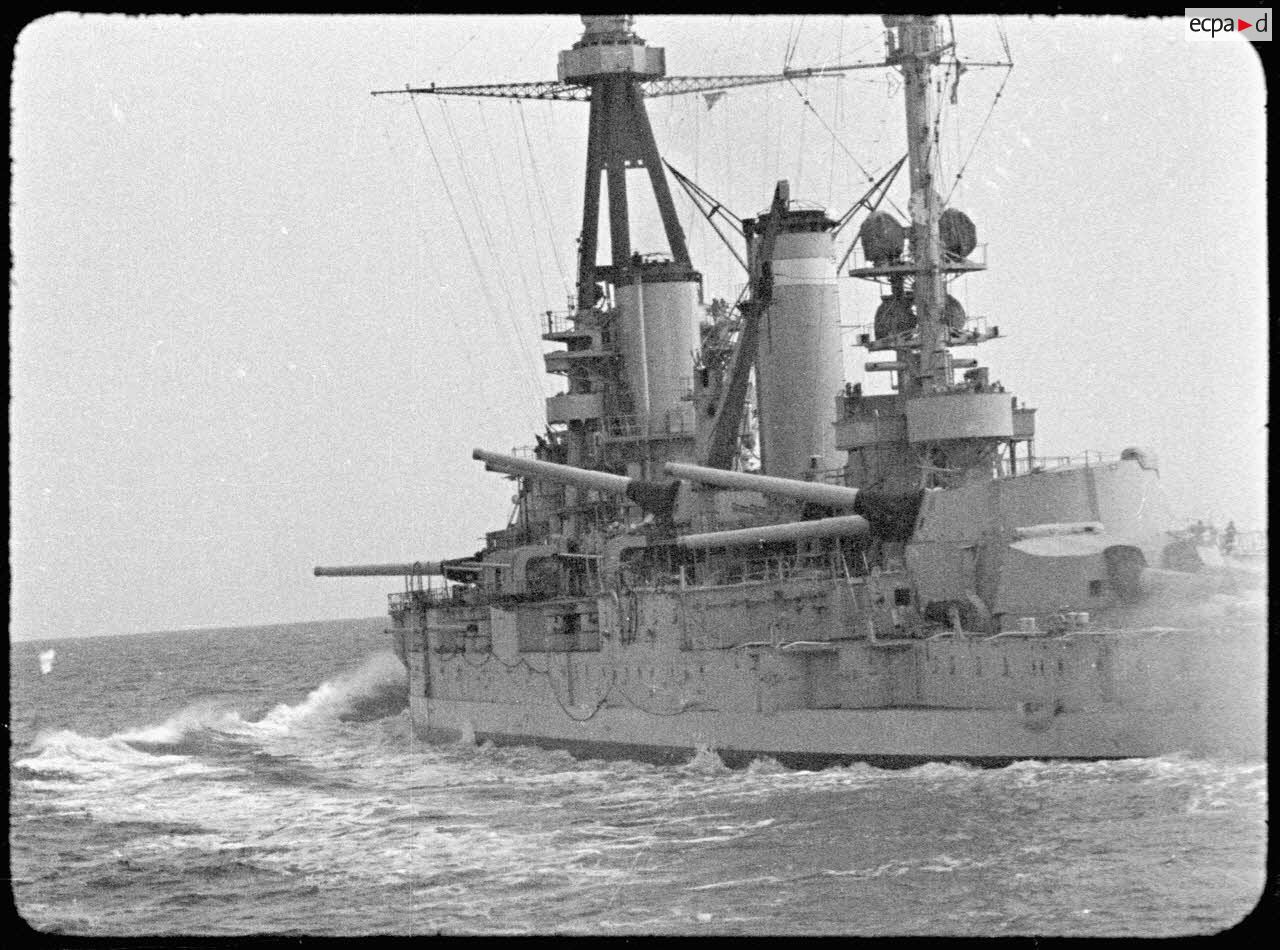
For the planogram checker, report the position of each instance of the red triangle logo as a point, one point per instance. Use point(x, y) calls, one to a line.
point(1243, 25)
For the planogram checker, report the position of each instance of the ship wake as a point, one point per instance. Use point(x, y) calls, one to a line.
point(209, 734)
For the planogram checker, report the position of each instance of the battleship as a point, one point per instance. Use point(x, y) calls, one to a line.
point(721, 543)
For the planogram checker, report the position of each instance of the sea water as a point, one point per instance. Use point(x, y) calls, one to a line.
point(266, 781)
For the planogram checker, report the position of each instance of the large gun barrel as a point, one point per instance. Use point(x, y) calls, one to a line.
point(551, 472)
point(844, 526)
point(417, 568)
point(891, 515)
point(650, 496)
point(835, 496)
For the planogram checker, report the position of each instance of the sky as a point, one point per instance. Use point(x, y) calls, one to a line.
point(259, 318)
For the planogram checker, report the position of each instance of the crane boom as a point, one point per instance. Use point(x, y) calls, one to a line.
point(722, 445)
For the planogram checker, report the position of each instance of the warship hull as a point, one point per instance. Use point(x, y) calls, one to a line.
point(814, 739)
point(1113, 695)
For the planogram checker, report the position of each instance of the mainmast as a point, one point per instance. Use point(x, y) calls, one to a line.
point(916, 52)
point(932, 431)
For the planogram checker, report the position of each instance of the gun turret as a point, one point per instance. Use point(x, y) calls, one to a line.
point(659, 499)
point(415, 569)
point(891, 516)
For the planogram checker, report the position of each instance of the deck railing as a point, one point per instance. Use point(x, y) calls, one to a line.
point(557, 321)
point(407, 599)
point(759, 571)
point(1042, 463)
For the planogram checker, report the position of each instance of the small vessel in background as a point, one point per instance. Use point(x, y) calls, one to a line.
point(902, 579)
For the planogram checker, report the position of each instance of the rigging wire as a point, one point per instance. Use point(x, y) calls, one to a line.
point(935, 137)
point(777, 148)
point(548, 111)
point(956, 119)
point(482, 220)
point(525, 175)
point(466, 237)
point(795, 43)
point(441, 66)
point(414, 185)
point(537, 180)
point(534, 378)
point(844, 57)
point(955, 70)
point(982, 128)
point(536, 44)
point(696, 192)
point(804, 117)
point(697, 155)
point(836, 117)
point(866, 174)
point(512, 242)
point(1004, 41)
point(1008, 67)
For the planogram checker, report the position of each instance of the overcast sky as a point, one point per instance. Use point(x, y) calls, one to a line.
point(259, 319)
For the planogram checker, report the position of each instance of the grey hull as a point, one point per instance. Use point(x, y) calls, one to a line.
point(880, 736)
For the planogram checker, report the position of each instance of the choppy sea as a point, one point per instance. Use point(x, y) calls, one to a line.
point(266, 781)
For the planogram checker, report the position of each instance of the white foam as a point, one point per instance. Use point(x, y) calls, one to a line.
point(101, 768)
point(333, 698)
point(717, 885)
point(195, 718)
point(323, 705)
point(705, 761)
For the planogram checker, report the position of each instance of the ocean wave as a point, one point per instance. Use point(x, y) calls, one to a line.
point(373, 691)
point(69, 755)
point(705, 761)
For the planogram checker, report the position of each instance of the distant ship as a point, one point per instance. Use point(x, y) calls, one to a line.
point(901, 580)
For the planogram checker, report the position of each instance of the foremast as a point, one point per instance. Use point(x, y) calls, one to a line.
point(612, 61)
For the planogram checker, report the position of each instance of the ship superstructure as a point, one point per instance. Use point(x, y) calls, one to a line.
point(901, 579)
